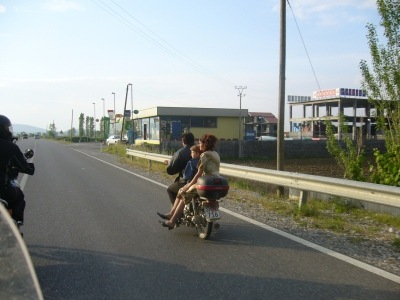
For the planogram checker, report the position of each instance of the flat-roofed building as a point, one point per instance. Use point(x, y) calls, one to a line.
point(157, 124)
point(307, 115)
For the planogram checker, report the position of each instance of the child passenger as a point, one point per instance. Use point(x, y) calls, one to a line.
point(191, 166)
point(189, 172)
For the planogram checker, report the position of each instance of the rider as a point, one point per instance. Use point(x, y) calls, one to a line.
point(208, 166)
point(177, 164)
point(11, 155)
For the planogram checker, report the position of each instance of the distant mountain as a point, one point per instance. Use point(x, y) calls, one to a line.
point(18, 128)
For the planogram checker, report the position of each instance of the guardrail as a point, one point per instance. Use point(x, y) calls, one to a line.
point(363, 191)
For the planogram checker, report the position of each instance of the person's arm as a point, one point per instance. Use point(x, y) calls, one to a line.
point(174, 165)
point(19, 161)
point(193, 181)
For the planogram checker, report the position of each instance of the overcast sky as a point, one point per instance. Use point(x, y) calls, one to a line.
point(59, 56)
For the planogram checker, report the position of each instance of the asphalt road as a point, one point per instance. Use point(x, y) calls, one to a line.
point(92, 231)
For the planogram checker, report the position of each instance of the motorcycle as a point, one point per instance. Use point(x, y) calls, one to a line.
point(202, 211)
point(12, 174)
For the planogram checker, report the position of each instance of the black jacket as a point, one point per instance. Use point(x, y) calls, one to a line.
point(10, 154)
point(179, 160)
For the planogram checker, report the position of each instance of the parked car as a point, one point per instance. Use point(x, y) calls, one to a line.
point(115, 138)
point(267, 138)
point(272, 138)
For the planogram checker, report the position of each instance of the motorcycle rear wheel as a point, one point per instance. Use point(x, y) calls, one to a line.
point(204, 229)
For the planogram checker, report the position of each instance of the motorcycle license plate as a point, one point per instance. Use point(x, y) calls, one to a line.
point(212, 213)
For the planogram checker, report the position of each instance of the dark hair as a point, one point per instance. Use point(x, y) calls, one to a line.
point(5, 123)
point(209, 140)
point(188, 138)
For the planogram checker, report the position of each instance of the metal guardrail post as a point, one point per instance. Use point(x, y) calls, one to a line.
point(303, 198)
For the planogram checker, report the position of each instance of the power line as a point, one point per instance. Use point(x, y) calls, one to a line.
point(131, 26)
point(304, 45)
point(152, 37)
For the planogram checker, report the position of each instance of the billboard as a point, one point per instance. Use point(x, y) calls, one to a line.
point(339, 93)
point(295, 98)
point(352, 93)
point(326, 94)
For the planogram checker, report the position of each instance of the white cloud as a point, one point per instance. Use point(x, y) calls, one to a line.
point(61, 5)
point(2, 9)
point(327, 12)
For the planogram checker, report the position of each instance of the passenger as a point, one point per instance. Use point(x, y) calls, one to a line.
point(188, 174)
point(177, 164)
point(208, 166)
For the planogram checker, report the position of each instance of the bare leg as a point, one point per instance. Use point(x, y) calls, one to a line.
point(177, 212)
point(173, 208)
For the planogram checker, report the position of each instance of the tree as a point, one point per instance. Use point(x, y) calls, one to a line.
point(348, 154)
point(91, 127)
point(102, 126)
point(381, 83)
point(87, 126)
point(52, 130)
point(71, 132)
point(81, 125)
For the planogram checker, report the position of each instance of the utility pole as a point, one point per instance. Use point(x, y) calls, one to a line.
point(123, 118)
point(131, 101)
point(240, 90)
point(132, 122)
point(281, 122)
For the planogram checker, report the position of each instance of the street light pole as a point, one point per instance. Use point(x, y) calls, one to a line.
point(104, 107)
point(114, 113)
point(94, 119)
point(240, 90)
point(103, 121)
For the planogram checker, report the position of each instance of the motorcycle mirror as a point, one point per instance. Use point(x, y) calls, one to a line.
point(28, 153)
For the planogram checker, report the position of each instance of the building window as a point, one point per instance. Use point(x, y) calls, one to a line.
point(203, 122)
point(210, 122)
point(138, 129)
point(196, 122)
point(154, 131)
point(172, 127)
